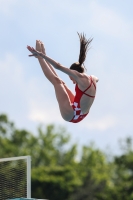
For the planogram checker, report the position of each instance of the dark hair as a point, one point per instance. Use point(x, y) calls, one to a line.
point(84, 47)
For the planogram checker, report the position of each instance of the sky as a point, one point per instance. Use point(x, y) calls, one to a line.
point(28, 98)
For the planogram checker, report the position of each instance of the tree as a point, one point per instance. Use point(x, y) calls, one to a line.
point(95, 172)
point(123, 176)
point(56, 172)
point(49, 157)
point(54, 182)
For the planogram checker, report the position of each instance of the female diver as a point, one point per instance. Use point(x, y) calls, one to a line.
point(73, 108)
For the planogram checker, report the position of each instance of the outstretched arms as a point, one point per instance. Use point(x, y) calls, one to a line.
point(40, 47)
point(55, 64)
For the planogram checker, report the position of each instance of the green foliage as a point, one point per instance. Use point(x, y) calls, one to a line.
point(52, 161)
point(57, 182)
point(58, 172)
point(123, 176)
point(95, 173)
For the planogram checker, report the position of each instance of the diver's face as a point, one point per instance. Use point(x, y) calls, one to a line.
point(72, 79)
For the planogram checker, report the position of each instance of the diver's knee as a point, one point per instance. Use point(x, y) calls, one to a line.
point(57, 80)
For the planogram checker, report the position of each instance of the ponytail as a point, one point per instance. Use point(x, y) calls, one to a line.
point(84, 47)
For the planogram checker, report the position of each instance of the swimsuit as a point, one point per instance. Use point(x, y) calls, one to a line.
point(78, 115)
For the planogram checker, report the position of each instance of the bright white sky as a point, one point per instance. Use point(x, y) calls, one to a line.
point(28, 98)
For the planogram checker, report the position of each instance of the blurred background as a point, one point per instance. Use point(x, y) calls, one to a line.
point(28, 99)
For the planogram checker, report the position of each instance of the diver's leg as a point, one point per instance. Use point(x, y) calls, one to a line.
point(62, 96)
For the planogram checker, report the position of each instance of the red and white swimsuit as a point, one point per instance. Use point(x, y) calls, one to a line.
point(78, 115)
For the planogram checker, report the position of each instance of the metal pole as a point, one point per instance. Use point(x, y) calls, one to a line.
point(28, 176)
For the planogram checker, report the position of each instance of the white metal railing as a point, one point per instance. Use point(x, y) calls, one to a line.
point(28, 160)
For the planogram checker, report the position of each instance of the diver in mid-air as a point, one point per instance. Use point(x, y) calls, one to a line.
point(73, 108)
